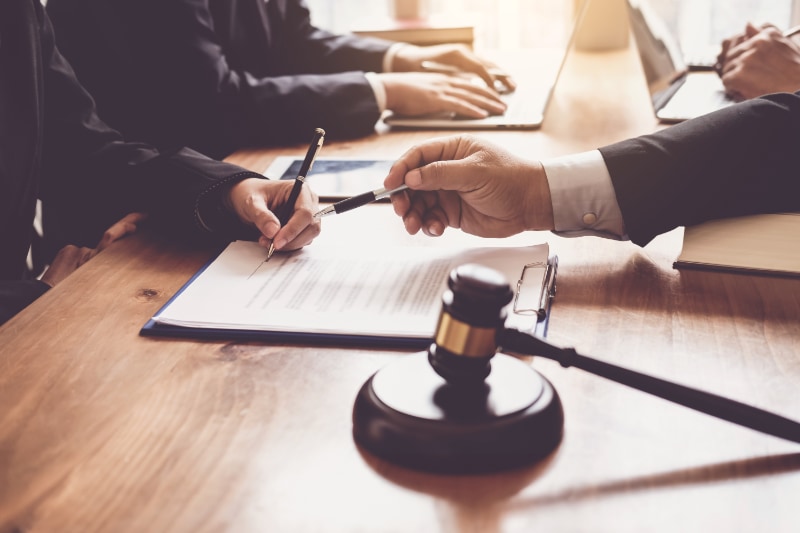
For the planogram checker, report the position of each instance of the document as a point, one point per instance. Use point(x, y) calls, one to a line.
point(366, 292)
point(758, 244)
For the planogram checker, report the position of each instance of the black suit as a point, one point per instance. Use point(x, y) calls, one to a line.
point(218, 75)
point(742, 160)
point(53, 147)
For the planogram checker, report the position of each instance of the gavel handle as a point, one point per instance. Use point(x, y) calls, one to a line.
point(739, 413)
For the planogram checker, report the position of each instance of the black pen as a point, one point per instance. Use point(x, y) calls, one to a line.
point(548, 288)
point(305, 167)
point(357, 201)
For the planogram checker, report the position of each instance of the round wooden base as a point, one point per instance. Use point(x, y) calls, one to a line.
point(409, 415)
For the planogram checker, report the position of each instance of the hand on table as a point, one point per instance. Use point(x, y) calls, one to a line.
point(71, 257)
point(425, 93)
point(412, 58)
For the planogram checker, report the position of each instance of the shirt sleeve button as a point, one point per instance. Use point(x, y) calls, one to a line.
point(589, 219)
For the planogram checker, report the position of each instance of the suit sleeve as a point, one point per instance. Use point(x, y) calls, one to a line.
point(741, 160)
point(219, 76)
point(17, 295)
point(92, 177)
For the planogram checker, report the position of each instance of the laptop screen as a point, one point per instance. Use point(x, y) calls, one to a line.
point(661, 57)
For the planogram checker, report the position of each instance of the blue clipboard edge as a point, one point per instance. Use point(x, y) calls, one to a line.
point(155, 329)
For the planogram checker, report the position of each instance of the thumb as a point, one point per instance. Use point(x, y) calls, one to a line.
point(751, 30)
point(454, 175)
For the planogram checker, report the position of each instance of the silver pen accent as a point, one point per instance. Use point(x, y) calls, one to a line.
point(357, 201)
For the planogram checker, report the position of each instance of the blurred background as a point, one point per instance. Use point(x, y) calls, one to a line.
point(699, 24)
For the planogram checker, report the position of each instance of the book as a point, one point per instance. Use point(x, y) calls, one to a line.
point(374, 295)
point(422, 32)
point(766, 244)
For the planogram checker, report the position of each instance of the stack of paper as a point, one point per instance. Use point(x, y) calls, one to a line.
point(391, 295)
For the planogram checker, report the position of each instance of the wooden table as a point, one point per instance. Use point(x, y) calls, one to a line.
point(104, 430)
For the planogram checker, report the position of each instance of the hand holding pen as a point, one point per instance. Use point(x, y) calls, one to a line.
point(286, 212)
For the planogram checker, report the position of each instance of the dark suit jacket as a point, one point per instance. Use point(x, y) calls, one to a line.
point(744, 159)
point(53, 147)
point(218, 75)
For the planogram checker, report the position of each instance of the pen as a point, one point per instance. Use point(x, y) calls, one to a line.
point(357, 201)
point(548, 288)
point(305, 167)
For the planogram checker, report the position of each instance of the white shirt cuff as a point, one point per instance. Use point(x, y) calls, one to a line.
point(377, 89)
point(584, 201)
point(388, 57)
point(377, 85)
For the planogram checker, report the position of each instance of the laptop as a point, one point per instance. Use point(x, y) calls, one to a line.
point(676, 92)
point(526, 105)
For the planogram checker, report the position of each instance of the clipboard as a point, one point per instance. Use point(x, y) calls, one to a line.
point(535, 292)
point(535, 282)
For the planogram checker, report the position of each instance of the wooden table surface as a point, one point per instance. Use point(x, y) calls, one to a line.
point(104, 430)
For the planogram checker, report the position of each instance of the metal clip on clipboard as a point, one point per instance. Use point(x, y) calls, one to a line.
point(535, 290)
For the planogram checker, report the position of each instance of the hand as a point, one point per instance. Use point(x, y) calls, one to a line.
point(127, 225)
point(255, 201)
point(467, 183)
point(69, 258)
point(759, 61)
point(66, 261)
point(410, 58)
point(420, 93)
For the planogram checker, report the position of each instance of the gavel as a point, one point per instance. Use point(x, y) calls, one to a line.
point(465, 406)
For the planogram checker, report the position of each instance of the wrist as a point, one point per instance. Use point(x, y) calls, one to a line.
point(405, 58)
point(538, 202)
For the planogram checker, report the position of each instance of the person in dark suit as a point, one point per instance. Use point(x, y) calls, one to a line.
point(221, 75)
point(54, 148)
point(741, 160)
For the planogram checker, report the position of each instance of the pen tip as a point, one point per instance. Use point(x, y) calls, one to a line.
point(324, 212)
point(270, 251)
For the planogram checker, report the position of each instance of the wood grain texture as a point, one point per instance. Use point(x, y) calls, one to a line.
point(104, 430)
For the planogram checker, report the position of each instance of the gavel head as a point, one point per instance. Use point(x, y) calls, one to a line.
point(473, 314)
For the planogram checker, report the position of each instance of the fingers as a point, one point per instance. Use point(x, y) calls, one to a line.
point(414, 94)
point(69, 258)
point(253, 208)
point(754, 40)
point(424, 212)
point(66, 261)
point(476, 95)
point(465, 98)
point(127, 225)
point(438, 159)
point(301, 228)
point(438, 173)
point(465, 60)
point(257, 200)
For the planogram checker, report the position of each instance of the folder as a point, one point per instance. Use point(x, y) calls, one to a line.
point(368, 296)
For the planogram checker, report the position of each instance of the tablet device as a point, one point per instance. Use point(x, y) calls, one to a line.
point(334, 178)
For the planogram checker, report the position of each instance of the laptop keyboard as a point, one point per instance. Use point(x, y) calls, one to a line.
point(700, 94)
